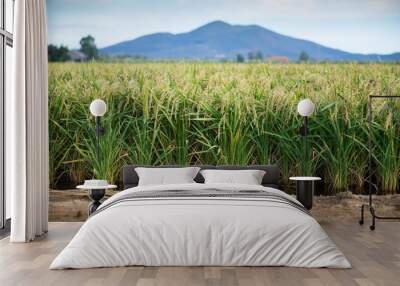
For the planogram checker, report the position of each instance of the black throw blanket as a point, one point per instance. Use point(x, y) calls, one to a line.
point(205, 194)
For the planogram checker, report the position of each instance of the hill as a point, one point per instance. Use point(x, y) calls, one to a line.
point(220, 40)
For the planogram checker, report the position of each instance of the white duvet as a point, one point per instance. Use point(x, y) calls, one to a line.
point(200, 231)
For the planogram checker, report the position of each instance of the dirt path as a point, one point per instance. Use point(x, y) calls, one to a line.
point(71, 205)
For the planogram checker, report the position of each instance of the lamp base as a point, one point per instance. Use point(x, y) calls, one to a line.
point(305, 193)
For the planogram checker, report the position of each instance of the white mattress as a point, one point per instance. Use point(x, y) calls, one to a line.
point(200, 231)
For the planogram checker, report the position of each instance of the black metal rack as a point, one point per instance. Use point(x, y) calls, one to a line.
point(370, 174)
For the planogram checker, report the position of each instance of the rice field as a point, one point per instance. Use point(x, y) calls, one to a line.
point(212, 113)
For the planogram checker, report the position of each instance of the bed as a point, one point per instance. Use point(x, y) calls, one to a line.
point(198, 224)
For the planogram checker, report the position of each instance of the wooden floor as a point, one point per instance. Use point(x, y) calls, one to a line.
point(375, 257)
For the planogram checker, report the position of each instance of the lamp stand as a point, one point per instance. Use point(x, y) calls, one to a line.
point(304, 133)
point(305, 138)
point(98, 133)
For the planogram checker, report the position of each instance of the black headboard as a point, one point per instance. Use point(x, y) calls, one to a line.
point(271, 178)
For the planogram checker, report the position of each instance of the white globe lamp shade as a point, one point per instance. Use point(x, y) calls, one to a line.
point(98, 107)
point(306, 107)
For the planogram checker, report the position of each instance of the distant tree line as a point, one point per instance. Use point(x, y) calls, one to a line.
point(258, 56)
point(89, 48)
point(123, 58)
point(62, 54)
point(304, 57)
point(251, 56)
point(58, 54)
point(88, 51)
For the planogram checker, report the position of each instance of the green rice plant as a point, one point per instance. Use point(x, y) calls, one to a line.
point(290, 152)
point(264, 145)
point(143, 148)
point(233, 136)
point(263, 123)
point(338, 145)
point(386, 153)
point(110, 159)
point(58, 140)
point(212, 113)
point(176, 135)
point(59, 151)
point(204, 132)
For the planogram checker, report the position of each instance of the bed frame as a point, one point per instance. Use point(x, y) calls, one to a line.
point(271, 178)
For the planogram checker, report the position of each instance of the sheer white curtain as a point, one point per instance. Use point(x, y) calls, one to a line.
point(27, 124)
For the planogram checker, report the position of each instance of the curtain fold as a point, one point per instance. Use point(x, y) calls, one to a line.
point(27, 123)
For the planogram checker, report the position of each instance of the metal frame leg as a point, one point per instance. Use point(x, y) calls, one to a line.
point(361, 221)
point(370, 173)
point(374, 216)
point(372, 210)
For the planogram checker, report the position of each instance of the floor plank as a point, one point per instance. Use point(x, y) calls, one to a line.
point(375, 257)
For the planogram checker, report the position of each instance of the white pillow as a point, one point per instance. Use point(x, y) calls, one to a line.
point(166, 176)
point(248, 177)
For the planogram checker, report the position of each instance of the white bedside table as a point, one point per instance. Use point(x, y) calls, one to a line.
point(95, 194)
point(305, 190)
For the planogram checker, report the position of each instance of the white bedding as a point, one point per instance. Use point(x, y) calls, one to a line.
point(200, 231)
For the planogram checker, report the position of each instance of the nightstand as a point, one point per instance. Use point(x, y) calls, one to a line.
point(305, 190)
point(95, 194)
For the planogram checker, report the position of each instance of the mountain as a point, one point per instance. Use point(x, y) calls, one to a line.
point(220, 40)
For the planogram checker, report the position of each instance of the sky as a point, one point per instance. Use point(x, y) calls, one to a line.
point(361, 26)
